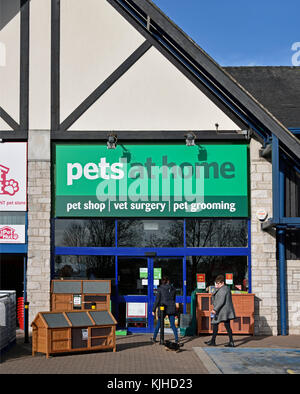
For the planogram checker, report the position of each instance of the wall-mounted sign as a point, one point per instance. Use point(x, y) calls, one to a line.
point(154, 180)
point(261, 214)
point(12, 234)
point(13, 176)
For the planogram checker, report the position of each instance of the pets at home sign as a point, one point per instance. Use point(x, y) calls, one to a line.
point(163, 180)
point(13, 176)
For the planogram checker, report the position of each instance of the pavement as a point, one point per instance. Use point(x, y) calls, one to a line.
point(136, 355)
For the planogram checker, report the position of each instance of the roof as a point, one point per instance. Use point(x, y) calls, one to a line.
point(179, 48)
point(276, 88)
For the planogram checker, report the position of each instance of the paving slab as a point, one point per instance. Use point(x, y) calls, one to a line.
point(252, 360)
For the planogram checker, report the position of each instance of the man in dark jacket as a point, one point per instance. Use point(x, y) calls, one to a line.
point(165, 297)
point(223, 310)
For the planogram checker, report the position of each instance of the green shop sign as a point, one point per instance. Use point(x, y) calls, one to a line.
point(209, 180)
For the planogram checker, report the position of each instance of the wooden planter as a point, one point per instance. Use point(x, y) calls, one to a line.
point(244, 311)
point(61, 332)
point(66, 294)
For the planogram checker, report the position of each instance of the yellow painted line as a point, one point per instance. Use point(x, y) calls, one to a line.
point(290, 371)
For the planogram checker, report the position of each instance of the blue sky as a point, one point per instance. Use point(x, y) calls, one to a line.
point(240, 32)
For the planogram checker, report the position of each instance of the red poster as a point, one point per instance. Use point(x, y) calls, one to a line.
point(229, 279)
point(200, 277)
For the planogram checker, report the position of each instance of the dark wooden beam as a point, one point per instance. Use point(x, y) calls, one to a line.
point(104, 86)
point(55, 64)
point(147, 135)
point(24, 64)
point(8, 119)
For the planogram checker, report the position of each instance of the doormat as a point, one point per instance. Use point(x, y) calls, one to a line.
point(255, 360)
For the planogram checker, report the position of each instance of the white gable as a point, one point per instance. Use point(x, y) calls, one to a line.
point(94, 40)
point(10, 68)
point(153, 95)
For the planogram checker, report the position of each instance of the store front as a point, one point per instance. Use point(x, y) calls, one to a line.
point(179, 227)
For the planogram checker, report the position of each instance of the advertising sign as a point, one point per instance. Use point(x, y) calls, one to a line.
point(201, 281)
point(156, 273)
point(210, 180)
point(12, 234)
point(13, 176)
point(136, 309)
point(229, 279)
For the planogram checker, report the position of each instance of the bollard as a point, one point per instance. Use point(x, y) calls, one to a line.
point(26, 321)
point(162, 323)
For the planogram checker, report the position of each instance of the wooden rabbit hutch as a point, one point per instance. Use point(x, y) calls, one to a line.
point(71, 295)
point(244, 310)
point(61, 332)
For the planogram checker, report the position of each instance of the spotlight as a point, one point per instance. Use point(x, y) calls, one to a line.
point(190, 139)
point(112, 141)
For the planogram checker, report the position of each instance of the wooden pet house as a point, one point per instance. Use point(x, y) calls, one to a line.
point(72, 295)
point(61, 332)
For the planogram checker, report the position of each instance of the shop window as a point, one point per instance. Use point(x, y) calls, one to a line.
point(213, 266)
point(85, 232)
point(172, 268)
point(150, 233)
point(130, 278)
point(293, 244)
point(85, 267)
point(203, 233)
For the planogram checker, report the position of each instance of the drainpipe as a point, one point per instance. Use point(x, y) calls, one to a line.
point(281, 250)
point(282, 278)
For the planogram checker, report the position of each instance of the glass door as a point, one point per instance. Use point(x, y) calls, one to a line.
point(171, 267)
point(138, 280)
point(133, 293)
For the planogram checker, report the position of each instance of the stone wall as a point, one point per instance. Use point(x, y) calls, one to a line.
point(293, 296)
point(39, 211)
point(263, 246)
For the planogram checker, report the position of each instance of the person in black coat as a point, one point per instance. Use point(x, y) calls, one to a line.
point(166, 294)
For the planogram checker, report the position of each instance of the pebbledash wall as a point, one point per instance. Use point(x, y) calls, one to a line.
point(82, 69)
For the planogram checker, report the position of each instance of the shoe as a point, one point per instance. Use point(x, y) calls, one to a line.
point(153, 340)
point(210, 343)
point(229, 344)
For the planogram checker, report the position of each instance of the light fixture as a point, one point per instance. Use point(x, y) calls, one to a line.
point(190, 138)
point(112, 141)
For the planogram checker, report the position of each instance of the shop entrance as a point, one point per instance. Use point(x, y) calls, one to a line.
point(138, 280)
point(12, 273)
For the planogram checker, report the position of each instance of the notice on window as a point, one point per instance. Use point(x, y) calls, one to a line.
point(229, 279)
point(201, 281)
point(136, 309)
point(143, 273)
point(156, 273)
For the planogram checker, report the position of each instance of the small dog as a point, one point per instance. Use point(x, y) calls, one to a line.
point(173, 346)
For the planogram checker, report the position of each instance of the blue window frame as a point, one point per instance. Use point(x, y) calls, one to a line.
point(182, 252)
